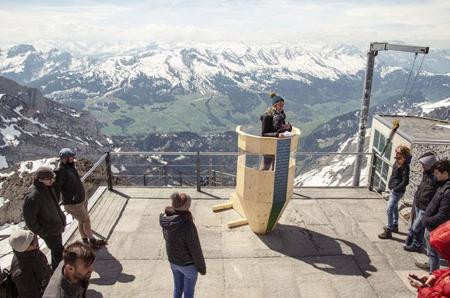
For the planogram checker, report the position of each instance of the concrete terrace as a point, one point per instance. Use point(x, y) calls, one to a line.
point(326, 245)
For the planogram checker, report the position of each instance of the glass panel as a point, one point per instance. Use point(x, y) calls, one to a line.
point(382, 143)
point(378, 165)
point(385, 170)
point(376, 139)
point(382, 185)
point(388, 152)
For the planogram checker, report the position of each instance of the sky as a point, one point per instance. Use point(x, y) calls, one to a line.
point(354, 22)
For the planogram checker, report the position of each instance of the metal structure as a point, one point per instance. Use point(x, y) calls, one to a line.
point(364, 114)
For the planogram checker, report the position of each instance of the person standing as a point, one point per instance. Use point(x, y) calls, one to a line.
point(273, 124)
point(437, 212)
point(71, 278)
point(30, 271)
point(70, 188)
point(42, 213)
point(182, 245)
point(397, 184)
point(425, 192)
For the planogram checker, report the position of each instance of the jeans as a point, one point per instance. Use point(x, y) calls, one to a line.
point(392, 209)
point(433, 257)
point(184, 278)
point(417, 229)
point(54, 243)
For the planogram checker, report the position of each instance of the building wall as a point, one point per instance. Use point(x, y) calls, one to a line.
point(441, 150)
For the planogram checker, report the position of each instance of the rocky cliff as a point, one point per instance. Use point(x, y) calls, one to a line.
point(33, 127)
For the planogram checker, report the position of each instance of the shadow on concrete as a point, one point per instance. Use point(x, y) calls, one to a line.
point(90, 293)
point(109, 269)
point(120, 193)
point(332, 255)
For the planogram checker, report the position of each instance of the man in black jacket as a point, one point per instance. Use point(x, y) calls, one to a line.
point(182, 245)
point(397, 184)
point(273, 124)
point(437, 212)
point(30, 271)
point(69, 186)
point(422, 198)
point(71, 278)
point(42, 213)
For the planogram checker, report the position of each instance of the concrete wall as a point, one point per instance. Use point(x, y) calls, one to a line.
point(441, 150)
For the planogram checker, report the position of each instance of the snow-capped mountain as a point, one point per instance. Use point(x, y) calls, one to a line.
point(339, 135)
point(218, 85)
point(32, 126)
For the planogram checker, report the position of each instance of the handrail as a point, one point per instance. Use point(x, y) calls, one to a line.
point(94, 167)
point(228, 153)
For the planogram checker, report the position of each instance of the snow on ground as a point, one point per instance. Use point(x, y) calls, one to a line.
point(31, 166)
point(428, 107)
point(10, 135)
point(32, 120)
point(3, 163)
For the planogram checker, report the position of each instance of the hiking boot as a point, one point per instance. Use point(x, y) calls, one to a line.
point(387, 234)
point(412, 248)
point(394, 229)
point(409, 240)
point(423, 265)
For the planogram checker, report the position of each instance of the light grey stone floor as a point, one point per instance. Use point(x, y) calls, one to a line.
point(321, 248)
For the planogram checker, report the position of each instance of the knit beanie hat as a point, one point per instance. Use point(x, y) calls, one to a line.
point(20, 240)
point(428, 160)
point(275, 98)
point(44, 173)
point(180, 201)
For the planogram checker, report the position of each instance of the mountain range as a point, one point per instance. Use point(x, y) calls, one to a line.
point(154, 88)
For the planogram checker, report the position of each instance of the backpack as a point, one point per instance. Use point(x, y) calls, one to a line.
point(7, 286)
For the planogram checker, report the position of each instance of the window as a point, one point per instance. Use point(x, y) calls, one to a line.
point(382, 164)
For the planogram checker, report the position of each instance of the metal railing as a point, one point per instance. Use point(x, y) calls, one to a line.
point(211, 169)
point(91, 179)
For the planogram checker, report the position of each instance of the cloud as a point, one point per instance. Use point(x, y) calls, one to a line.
point(286, 21)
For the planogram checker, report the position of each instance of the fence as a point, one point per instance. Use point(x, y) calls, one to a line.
point(218, 169)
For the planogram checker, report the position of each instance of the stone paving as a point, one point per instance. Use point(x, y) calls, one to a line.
point(321, 248)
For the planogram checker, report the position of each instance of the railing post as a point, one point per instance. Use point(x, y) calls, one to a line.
point(180, 178)
point(165, 175)
point(145, 179)
point(197, 170)
point(108, 170)
point(214, 177)
point(210, 173)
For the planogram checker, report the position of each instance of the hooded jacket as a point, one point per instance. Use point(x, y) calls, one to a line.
point(182, 242)
point(400, 177)
point(438, 211)
point(41, 211)
point(30, 273)
point(68, 184)
point(426, 190)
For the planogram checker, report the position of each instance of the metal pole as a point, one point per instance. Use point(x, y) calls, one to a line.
point(145, 179)
point(197, 167)
point(165, 176)
point(108, 171)
point(180, 177)
point(364, 115)
point(210, 172)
